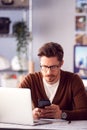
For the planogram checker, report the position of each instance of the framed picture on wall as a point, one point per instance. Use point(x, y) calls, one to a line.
point(80, 60)
point(81, 6)
point(81, 39)
point(80, 22)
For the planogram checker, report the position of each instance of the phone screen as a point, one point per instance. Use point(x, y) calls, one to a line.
point(43, 103)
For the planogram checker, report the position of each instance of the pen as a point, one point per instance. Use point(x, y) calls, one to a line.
point(69, 122)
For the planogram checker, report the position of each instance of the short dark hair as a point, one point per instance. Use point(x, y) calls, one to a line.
point(51, 49)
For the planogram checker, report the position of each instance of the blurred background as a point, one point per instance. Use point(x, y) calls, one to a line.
point(61, 21)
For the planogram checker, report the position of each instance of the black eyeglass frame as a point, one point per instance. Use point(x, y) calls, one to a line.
point(52, 67)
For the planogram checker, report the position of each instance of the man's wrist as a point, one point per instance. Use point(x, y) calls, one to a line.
point(63, 115)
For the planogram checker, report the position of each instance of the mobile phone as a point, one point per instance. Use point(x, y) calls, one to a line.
point(43, 103)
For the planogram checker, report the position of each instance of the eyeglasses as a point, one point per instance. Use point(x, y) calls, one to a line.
point(52, 68)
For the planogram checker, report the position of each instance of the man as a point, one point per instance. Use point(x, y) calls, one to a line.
point(65, 90)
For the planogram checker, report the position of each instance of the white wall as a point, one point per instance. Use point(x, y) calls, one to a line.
point(54, 21)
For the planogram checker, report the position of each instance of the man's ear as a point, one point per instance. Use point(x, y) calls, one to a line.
point(61, 63)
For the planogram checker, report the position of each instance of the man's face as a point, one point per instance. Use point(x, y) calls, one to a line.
point(50, 68)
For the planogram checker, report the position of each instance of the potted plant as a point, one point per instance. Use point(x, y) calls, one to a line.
point(20, 30)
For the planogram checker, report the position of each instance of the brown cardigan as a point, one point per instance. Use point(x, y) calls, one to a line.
point(70, 96)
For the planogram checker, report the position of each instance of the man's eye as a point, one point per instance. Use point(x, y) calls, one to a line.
point(52, 67)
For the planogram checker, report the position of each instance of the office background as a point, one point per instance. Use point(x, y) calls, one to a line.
point(52, 20)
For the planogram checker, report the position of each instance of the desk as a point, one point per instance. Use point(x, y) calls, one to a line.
point(56, 125)
point(19, 129)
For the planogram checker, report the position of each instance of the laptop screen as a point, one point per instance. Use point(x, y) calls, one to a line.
point(15, 106)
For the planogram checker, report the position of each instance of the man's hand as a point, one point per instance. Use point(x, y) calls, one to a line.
point(52, 111)
point(36, 113)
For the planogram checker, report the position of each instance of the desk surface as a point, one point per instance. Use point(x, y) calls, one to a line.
point(21, 129)
point(56, 125)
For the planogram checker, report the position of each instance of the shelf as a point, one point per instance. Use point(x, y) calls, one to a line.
point(18, 4)
point(10, 35)
point(6, 35)
point(80, 32)
point(80, 14)
point(14, 7)
point(10, 70)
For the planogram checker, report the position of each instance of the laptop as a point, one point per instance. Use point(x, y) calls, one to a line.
point(16, 107)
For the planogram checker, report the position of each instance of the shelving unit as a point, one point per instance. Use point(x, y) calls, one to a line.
point(18, 4)
point(80, 46)
point(81, 22)
point(21, 6)
point(18, 11)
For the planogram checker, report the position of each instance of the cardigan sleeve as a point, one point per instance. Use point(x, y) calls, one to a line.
point(26, 82)
point(79, 93)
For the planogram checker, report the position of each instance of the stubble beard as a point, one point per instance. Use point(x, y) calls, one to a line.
point(50, 78)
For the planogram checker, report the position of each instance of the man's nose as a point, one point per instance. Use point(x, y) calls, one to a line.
point(49, 70)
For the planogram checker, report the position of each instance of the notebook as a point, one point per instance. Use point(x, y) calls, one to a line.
point(16, 107)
